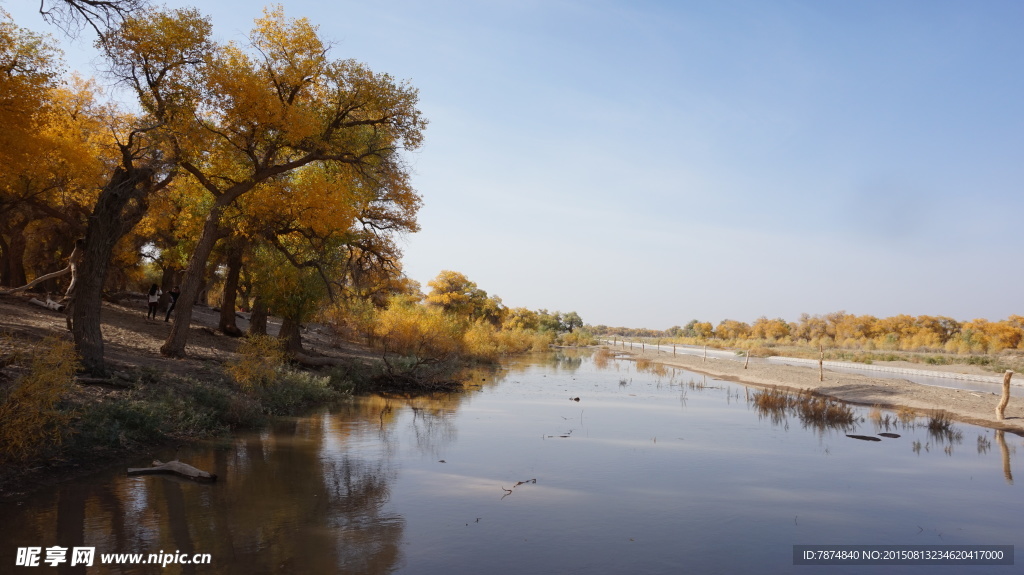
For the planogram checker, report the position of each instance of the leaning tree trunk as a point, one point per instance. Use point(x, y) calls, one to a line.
point(190, 285)
point(227, 306)
point(120, 206)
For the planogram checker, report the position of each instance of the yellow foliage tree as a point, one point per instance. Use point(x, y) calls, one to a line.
point(236, 118)
point(455, 294)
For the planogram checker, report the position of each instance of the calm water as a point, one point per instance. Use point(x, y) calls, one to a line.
point(651, 471)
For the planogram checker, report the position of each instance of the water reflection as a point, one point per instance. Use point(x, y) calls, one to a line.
point(1005, 452)
point(307, 495)
point(568, 361)
point(653, 469)
point(813, 411)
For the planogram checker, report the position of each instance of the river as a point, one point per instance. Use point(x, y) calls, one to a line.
point(553, 463)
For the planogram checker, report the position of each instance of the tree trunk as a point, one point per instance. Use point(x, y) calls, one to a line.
point(227, 305)
point(290, 336)
point(258, 319)
point(5, 258)
point(166, 284)
point(190, 285)
point(168, 278)
point(111, 218)
point(16, 275)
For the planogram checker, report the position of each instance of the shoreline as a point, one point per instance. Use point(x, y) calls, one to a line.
point(971, 407)
point(150, 402)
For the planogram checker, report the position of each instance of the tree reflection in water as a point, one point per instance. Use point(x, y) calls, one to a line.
point(359, 488)
point(294, 498)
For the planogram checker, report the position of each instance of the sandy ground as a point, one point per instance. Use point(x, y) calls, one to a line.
point(967, 406)
point(132, 341)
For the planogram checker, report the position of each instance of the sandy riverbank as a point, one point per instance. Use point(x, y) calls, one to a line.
point(967, 406)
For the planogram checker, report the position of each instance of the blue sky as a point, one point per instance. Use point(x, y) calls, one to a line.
point(647, 163)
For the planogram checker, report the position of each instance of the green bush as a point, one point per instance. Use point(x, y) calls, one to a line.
point(295, 390)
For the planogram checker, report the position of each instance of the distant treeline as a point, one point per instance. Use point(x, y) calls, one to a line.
point(840, 329)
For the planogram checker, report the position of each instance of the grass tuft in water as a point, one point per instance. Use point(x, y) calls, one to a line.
point(812, 410)
point(940, 427)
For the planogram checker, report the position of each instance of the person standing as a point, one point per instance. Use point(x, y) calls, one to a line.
point(154, 299)
point(174, 293)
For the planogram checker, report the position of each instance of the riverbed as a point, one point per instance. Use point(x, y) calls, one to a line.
point(555, 463)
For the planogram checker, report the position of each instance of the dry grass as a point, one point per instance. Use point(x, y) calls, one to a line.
point(875, 414)
point(824, 412)
point(906, 415)
point(30, 420)
point(773, 400)
point(941, 428)
point(603, 357)
point(812, 410)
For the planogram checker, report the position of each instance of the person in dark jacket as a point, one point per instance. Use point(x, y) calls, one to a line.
point(174, 293)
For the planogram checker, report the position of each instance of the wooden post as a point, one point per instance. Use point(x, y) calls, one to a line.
point(821, 363)
point(1001, 408)
point(747, 360)
point(643, 347)
point(673, 350)
point(705, 353)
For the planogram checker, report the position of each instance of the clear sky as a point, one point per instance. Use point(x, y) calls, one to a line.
point(646, 163)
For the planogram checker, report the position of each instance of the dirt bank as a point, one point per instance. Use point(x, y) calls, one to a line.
point(968, 406)
point(151, 401)
point(132, 341)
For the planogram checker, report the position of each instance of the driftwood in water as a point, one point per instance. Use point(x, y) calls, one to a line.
point(864, 437)
point(174, 467)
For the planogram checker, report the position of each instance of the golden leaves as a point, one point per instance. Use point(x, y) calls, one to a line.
point(29, 414)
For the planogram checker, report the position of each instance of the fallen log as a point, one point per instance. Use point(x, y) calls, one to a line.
point(48, 304)
point(311, 361)
point(174, 467)
point(105, 381)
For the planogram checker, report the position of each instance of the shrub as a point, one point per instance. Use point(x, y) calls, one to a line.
point(260, 360)
point(295, 390)
point(30, 418)
point(578, 338)
point(418, 331)
point(122, 422)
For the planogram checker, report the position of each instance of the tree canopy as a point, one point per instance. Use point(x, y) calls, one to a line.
point(267, 154)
